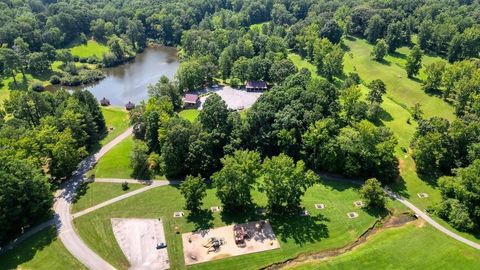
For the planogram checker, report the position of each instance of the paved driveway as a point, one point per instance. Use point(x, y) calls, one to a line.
point(236, 99)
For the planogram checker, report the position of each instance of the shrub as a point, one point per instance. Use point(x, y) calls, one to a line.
point(372, 193)
point(125, 186)
point(55, 79)
point(37, 86)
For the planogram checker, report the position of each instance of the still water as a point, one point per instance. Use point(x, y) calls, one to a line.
point(129, 82)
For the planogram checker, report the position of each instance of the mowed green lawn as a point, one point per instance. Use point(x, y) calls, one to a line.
point(189, 114)
point(92, 48)
point(117, 119)
point(327, 228)
point(94, 193)
point(407, 247)
point(400, 89)
point(402, 93)
point(42, 251)
point(116, 162)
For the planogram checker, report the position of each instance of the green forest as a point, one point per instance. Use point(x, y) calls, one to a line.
point(383, 92)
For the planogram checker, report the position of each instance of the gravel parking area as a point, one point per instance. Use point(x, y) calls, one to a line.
point(138, 239)
point(236, 99)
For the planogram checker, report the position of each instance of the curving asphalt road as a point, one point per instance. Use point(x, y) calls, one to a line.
point(63, 218)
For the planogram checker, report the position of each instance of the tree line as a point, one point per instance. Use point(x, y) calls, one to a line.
point(42, 141)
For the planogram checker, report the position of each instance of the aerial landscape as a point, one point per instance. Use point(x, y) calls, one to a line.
point(239, 134)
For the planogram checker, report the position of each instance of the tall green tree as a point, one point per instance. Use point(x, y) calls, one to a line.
point(373, 193)
point(414, 61)
point(25, 195)
point(434, 73)
point(380, 50)
point(236, 179)
point(375, 29)
point(193, 190)
point(285, 182)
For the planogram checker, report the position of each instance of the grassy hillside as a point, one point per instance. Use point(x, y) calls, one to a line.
point(92, 48)
point(116, 120)
point(392, 248)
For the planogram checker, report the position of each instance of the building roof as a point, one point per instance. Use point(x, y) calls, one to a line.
point(256, 84)
point(104, 101)
point(190, 98)
point(130, 105)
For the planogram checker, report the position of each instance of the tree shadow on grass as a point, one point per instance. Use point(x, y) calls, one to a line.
point(81, 191)
point(385, 116)
point(301, 230)
point(384, 62)
point(21, 85)
point(203, 219)
point(400, 188)
point(236, 216)
point(27, 250)
point(398, 55)
point(377, 212)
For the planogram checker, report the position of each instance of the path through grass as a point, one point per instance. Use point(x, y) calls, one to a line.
point(92, 194)
point(328, 228)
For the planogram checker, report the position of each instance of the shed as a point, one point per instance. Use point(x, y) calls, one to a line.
point(129, 106)
point(104, 102)
point(190, 100)
point(256, 86)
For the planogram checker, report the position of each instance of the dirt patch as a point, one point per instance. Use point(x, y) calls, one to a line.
point(388, 222)
point(219, 243)
point(138, 239)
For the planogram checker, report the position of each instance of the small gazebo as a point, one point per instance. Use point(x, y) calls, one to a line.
point(129, 106)
point(104, 102)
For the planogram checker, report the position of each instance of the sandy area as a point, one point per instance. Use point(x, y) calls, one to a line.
point(260, 239)
point(236, 99)
point(138, 239)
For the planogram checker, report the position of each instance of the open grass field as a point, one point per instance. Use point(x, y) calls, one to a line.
point(42, 251)
point(327, 228)
point(92, 48)
point(116, 118)
point(116, 163)
point(392, 248)
point(190, 114)
point(94, 193)
point(402, 94)
point(400, 89)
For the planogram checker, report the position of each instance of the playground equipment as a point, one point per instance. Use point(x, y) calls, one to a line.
point(239, 234)
point(213, 244)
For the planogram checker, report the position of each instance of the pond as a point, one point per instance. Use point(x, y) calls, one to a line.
point(128, 82)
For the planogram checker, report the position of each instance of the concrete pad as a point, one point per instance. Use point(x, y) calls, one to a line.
point(358, 204)
point(215, 209)
point(352, 214)
point(422, 195)
point(138, 239)
point(236, 99)
point(260, 238)
point(320, 206)
point(178, 214)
